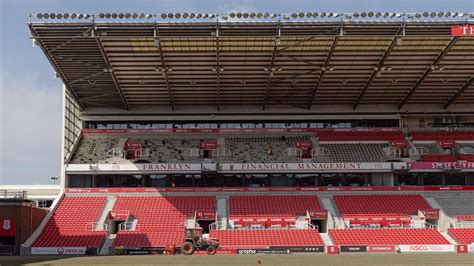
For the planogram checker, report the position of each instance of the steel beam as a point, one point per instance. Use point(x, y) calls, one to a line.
point(110, 70)
point(272, 62)
point(458, 92)
point(380, 64)
point(427, 72)
point(321, 75)
point(56, 67)
point(164, 66)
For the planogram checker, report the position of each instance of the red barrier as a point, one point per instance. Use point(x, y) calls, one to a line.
point(461, 249)
point(266, 189)
point(332, 250)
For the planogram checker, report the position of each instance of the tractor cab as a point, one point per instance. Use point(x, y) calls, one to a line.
point(194, 239)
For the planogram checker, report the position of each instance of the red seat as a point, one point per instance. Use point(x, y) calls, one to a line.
point(71, 224)
point(387, 237)
point(462, 235)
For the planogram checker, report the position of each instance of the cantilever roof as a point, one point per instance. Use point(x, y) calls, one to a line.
point(297, 64)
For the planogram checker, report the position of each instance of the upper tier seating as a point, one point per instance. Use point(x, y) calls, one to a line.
point(462, 235)
point(93, 148)
point(442, 135)
point(386, 237)
point(429, 148)
point(355, 152)
point(161, 220)
point(264, 238)
point(271, 206)
point(457, 206)
point(72, 222)
point(380, 204)
point(360, 136)
point(254, 148)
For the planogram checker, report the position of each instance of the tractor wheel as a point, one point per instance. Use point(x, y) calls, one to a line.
point(211, 250)
point(187, 248)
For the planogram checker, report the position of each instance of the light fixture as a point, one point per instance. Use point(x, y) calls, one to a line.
point(199, 15)
point(315, 14)
point(386, 14)
point(170, 15)
point(87, 16)
point(378, 14)
point(73, 15)
point(239, 15)
point(426, 14)
point(266, 15)
point(355, 15)
point(273, 15)
point(253, 15)
point(301, 15)
point(370, 14)
point(440, 14)
point(294, 15)
point(245, 15)
point(259, 15)
point(185, 15)
point(121, 15)
point(52, 15)
point(232, 15)
point(59, 16)
point(163, 15)
point(363, 14)
point(224, 17)
point(107, 15)
point(39, 15)
point(192, 15)
point(81, 16)
point(323, 14)
point(448, 14)
point(114, 15)
point(148, 16)
point(433, 14)
point(177, 15)
point(417, 15)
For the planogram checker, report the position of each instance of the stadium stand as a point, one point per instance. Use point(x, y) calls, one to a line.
point(93, 148)
point(159, 218)
point(355, 152)
point(456, 206)
point(392, 236)
point(72, 222)
point(264, 238)
point(462, 235)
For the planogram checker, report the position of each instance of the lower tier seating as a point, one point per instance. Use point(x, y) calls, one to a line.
point(386, 237)
point(264, 238)
point(148, 239)
point(462, 235)
point(72, 222)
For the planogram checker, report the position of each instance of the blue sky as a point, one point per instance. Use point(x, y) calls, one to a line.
point(30, 97)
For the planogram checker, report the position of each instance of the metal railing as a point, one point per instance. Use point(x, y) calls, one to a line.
point(5, 194)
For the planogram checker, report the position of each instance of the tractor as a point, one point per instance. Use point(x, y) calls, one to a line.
point(194, 239)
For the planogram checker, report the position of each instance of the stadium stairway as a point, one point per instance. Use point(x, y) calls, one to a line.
point(444, 221)
point(449, 238)
point(326, 239)
point(333, 213)
point(109, 205)
point(106, 248)
point(222, 211)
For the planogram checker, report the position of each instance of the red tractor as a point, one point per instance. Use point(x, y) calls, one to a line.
point(195, 240)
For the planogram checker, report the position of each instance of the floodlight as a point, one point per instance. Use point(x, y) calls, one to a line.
point(418, 15)
point(239, 15)
point(253, 15)
point(294, 15)
point(199, 15)
point(309, 15)
point(315, 14)
point(378, 14)
point(259, 15)
point(323, 14)
point(232, 15)
point(163, 15)
point(301, 15)
point(170, 15)
point(128, 15)
point(148, 16)
point(224, 17)
point(273, 15)
point(433, 14)
point(246, 15)
point(205, 15)
point(448, 14)
point(107, 15)
point(141, 15)
point(363, 14)
point(425, 14)
point(356, 15)
point(39, 15)
point(185, 15)
point(73, 15)
point(66, 15)
point(59, 16)
point(121, 15)
point(114, 15)
point(370, 14)
point(330, 15)
point(177, 15)
point(81, 16)
point(52, 15)
point(46, 15)
point(440, 14)
point(192, 15)
point(348, 16)
point(87, 16)
point(386, 14)
point(266, 15)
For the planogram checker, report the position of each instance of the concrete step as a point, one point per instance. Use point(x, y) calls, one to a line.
point(105, 250)
point(109, 205)
point(449, 238)
point(326, 239)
